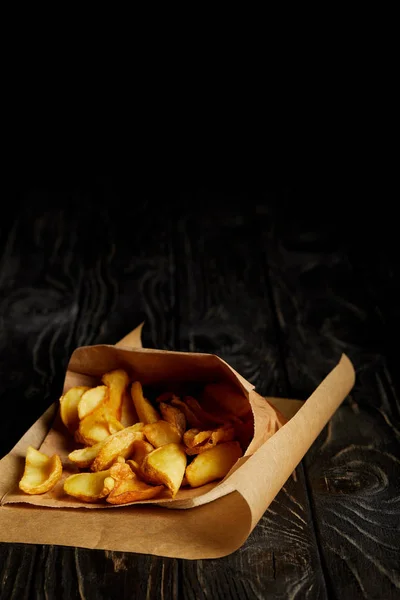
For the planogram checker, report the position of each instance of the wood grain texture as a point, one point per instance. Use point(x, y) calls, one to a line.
point(276, 295)
point(353, 468)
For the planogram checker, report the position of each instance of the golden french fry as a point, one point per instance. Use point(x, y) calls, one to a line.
point(135, 467)
point(113, 424)
point(213, 464)
point(118, 444)
point(194, 436)
point(165, 465)
point(190, 416)
point(91, 400)
point(200, 441)
point(69, 407)
point(120, 470)
point(84, 457)
point(128, 412)
point(104, 419)
point(93, 428)
point(41, 472)
point(98, 426)
point(117, 382)
point(89, 487)
point(140, 449)
point(173, 415)
point(145, 410)
point(226, 397)
point(132, 490)
point(161, 433)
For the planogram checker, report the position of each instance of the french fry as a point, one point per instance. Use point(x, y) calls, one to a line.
point(165, 466)
point(173, 415)
point(97, 426)
point(213, 464)
point(117, 382)
point(140, 449)
point(119, 444)
point(145, 410)
point(191, 417)
point(135, 467)
point(161, 433)
point(84, 457)
point(199, 441)
point(132, 490)
point(93, 428)
point(89, 487)
point(120, 470)
point(128, 412)
point(104, 419)
point(41, 472)
point(69, 407)
point(194, 436)
point(91, 399)
point(113, 424)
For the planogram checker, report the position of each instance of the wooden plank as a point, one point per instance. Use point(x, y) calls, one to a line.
point(225, 308)
point(79, 273)
point(353, 468)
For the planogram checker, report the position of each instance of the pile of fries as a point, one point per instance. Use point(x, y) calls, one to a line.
point(133, 448)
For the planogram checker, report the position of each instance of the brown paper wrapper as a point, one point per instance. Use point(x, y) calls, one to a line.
point(204, 531)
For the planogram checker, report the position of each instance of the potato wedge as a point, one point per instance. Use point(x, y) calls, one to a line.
point(113, 424)
point(93, 428)
point(41, 472)
point(213, 464)
point(104, 419)
point(165, 465)
point(69, 407)
point(89, 487)
point(98, 426)
point(141, 448)
point(128, 411)
point(194, 436)
point(84, 457)
point(173, 415)
point(120, 470)
point(145, 410)
point(117, 381)
point(119, 444)
point(161, 433)
point(199, 441)
point(91, 400)
point(132, 490)
point(191, 417)
point(135, 468)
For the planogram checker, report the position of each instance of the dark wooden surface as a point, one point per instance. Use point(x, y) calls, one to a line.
point(277, 290)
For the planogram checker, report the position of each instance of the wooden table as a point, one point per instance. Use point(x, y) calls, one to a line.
point(277, 290)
